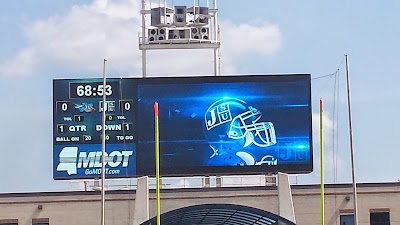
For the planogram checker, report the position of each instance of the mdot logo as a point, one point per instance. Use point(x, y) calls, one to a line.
point(70, 161)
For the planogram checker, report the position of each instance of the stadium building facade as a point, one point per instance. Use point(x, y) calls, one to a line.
point(378, 204)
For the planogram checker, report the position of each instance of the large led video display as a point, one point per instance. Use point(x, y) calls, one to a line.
point(208, 126)
point(227, 125)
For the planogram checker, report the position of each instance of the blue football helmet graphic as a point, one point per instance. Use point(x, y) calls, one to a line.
point(231, 126)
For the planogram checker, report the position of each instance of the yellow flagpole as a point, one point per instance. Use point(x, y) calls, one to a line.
point(157, 153)
point(321, 143)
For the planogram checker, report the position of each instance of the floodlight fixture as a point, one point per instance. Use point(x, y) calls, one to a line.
point(180, 27)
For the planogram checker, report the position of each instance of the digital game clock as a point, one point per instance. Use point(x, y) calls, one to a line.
point(93, 89)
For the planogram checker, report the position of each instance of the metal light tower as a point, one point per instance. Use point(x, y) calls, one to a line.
point(180, 27)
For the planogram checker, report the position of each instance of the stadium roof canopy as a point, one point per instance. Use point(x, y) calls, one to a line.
point(219, 214)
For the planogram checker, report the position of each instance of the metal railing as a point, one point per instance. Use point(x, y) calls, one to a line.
point(180, 182)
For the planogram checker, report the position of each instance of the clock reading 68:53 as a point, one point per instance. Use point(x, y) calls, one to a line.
point(93, 90)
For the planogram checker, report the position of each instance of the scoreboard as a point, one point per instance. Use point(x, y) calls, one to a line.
point(252, 124)
point(78, 107)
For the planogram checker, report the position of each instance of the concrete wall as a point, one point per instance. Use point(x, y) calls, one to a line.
point(381, 197)
point(83, 208)
point(75, 208)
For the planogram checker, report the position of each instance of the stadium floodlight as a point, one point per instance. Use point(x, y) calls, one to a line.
point(199, 15)
point(180, 27)
point(162, 34)
point(152, 34)
point(161, 16)
point(180, 16)
point(200, 33)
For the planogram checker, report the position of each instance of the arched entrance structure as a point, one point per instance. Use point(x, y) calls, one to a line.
point(219, 214)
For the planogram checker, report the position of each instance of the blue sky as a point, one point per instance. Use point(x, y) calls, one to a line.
point(43, 40)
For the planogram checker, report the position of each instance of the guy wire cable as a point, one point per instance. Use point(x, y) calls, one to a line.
point(337, 130)
point(334, 142)
point(335, 120)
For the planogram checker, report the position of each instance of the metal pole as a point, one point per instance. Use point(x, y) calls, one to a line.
point(216, 50)
point(321, 143)
point(215, 20)
point(157, 154)
point(163, 19)
point(353, 176)
point(144, 55)
point(215, 62)
point(144, 63)
point(103, 148)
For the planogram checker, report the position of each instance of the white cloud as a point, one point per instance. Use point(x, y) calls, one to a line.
point(241, 39)
point(22, 64)
point(238, 40)
point(334, 164)
point(81, 38)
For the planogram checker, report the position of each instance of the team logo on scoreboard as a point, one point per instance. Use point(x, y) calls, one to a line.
point(231, 126)
point(108, 107)
point(85, 107)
